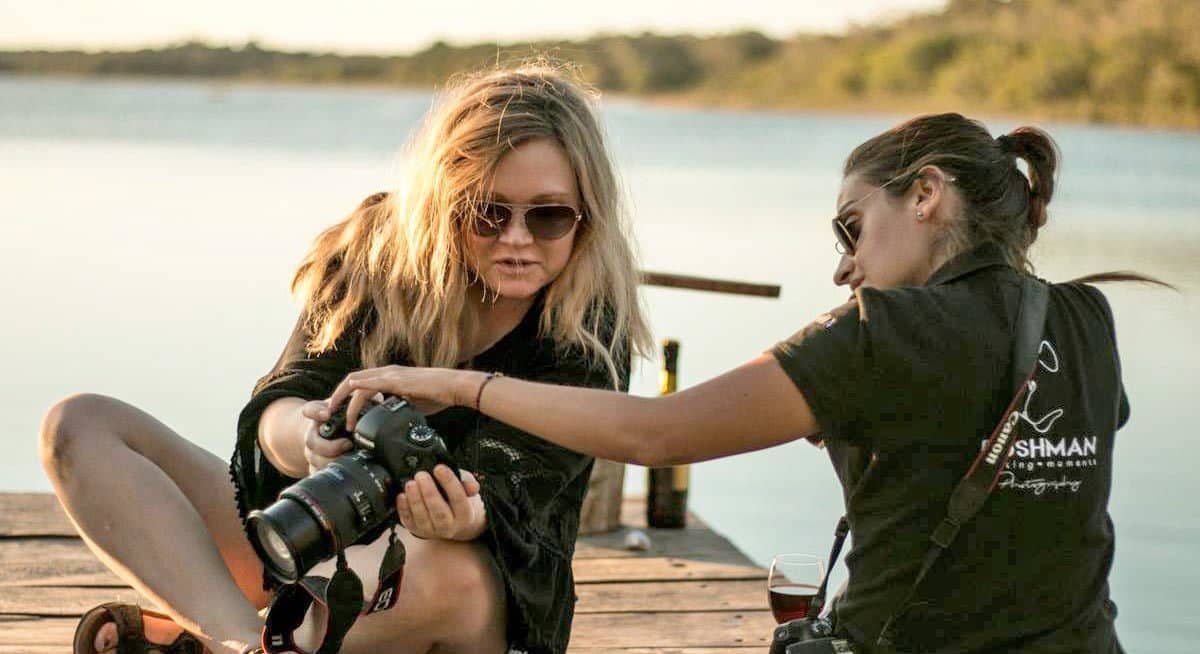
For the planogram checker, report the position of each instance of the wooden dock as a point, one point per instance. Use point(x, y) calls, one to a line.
point(691, 593)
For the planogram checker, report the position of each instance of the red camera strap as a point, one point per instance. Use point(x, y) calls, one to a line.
point(342, 597)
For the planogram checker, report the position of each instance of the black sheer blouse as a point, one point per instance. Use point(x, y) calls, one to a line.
point(532, 489)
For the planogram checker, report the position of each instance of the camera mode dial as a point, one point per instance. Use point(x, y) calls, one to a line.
point(421, 433)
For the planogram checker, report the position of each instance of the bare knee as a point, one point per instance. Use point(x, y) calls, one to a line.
point(72, 421)
point(463, 586)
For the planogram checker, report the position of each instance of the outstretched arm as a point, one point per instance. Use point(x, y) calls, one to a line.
point(749, 408)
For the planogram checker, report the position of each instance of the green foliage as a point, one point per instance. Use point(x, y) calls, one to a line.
point(908, 63)
point(1135, 61)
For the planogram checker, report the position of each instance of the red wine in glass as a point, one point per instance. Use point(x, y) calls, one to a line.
point(790, 601)
point(791, 585)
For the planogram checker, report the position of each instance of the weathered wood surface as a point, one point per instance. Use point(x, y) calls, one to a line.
point(618, 631)
point(33, 514)
point(66, 601)
point(691, 592)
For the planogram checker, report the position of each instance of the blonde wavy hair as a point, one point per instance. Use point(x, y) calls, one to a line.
point(399, 262)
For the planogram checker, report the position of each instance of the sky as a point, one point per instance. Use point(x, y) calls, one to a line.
point(396, 26)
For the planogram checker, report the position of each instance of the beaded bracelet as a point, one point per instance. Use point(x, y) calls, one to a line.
point(479, 394)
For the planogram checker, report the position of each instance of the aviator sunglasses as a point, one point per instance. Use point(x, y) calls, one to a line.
point(545, 222)
point(847, 238)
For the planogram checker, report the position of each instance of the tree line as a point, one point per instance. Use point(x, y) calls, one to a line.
point(1120, 61)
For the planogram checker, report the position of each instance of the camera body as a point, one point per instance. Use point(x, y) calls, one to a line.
point(335, 507)
point(808, 636)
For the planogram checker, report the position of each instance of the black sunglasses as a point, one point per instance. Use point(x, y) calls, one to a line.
point(847, 241)
point(545, 222)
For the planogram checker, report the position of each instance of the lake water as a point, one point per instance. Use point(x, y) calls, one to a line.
point(150, 230)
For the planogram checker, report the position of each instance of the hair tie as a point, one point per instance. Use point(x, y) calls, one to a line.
point(1006, 144)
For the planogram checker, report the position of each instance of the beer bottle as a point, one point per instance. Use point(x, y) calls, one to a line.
point(667, 488)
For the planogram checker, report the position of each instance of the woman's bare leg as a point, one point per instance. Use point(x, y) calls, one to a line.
point(451, 600)
point(159, 511)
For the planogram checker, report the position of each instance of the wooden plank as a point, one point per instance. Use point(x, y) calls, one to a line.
point(701, 543)
point(63, 602)
point(64, 634)
point(678, 630)
point(593, 598)
point(20, 631)
point(692, 592)
point(657, 650)
point(33, 514)
point(52, 562)
point(40, 514)
point(599, 631)
point(661, 569)
point(68, 562)
point(672, 596)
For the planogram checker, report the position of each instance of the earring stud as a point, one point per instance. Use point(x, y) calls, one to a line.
point(920, 215)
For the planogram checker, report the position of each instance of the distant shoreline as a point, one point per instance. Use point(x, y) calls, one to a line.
point(681, 102)
point(1013, 61)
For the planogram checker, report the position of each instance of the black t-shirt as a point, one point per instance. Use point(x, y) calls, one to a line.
point(532, 489)
point(906, 397)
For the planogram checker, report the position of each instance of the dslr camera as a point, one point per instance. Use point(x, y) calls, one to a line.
point(808, 636)
point(335, 507)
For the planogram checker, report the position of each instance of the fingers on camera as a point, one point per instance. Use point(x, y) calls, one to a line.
point(359, 400)
point(420, 513)
point(456, 493)
point(470, 484)
point(439, 512)
point(313, 410)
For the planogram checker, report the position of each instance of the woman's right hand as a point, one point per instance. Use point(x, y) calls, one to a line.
point(318, 451)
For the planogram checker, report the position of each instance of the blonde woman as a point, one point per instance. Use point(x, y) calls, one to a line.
point(505, 250)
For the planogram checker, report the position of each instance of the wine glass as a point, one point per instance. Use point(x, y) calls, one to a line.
point(792, 583)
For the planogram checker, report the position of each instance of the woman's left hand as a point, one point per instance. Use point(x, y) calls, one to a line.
point(426, 514)
point(429, 389)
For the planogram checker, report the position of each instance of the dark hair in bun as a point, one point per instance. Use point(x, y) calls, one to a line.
point(1001, 203)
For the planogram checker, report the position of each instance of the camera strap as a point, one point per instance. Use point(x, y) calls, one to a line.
point(342, 597)
point(975, 487)
point(839, 538)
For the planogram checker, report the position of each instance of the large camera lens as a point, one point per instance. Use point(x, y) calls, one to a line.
point(276, 549)
point(289, 535)
point(321, 514)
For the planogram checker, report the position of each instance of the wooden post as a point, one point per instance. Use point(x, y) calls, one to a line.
point(601, 510)
point(602, 505)
point(671, 280)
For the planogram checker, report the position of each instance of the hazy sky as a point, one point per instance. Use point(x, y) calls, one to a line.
point(398, 26)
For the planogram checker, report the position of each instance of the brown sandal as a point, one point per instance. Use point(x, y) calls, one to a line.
point(131, 636)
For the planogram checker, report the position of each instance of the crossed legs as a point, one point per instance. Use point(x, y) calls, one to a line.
point(159, 511)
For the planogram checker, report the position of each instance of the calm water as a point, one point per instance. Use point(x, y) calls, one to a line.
point(150, 231)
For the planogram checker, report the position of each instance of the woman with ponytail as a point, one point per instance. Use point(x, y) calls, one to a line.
point(504, 251)
point(904, 384)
